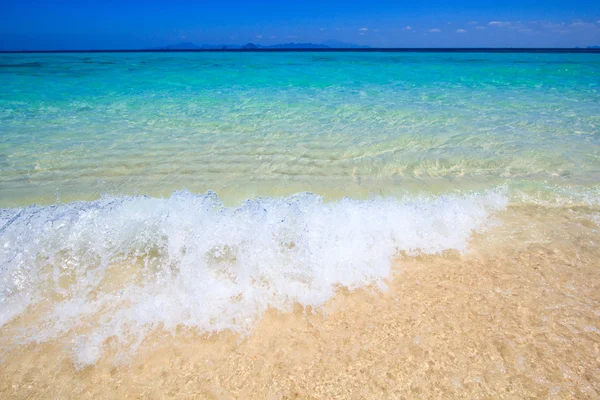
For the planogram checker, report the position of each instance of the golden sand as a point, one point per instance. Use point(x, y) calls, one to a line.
point(517, 317)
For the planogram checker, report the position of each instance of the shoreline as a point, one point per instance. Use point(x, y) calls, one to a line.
point(515, 316)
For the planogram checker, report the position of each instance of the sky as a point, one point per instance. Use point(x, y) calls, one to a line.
point(137, 24)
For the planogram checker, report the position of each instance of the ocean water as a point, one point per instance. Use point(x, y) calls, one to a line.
point(145, 191)
point(78, 126)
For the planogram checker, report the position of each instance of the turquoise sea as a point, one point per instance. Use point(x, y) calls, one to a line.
point(78, 126)
point(238, 182)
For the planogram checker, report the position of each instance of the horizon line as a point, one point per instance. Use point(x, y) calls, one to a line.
point(331, 49)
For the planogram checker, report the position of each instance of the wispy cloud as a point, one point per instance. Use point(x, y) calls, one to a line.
point(407, 28)
point(461, 31)
point(363, 29)
point(259, 36)
point(521, 26)
point(434, 30)
point(548, 25)
point(472, 22)
point(499, 24)
point(480, 27)
point(321, 29)
point(582, 24)
point(556, 27)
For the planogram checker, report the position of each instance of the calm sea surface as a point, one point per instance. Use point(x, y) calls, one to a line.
point(77, 126)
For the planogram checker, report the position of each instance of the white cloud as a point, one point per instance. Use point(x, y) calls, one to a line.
point(461, 31)
point(407, 28)
point(519, 26)
point(472, 22)
point(582, 24)
point(562, 27)
point(321, 29)
point(259, 36)
point(363, 29)
point(480, 27)
point(499, 23)
point(434, 30)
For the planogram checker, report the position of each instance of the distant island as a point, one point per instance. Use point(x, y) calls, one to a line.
point(251, 46)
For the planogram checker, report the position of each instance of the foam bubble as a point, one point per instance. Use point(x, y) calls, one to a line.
point(122, 267)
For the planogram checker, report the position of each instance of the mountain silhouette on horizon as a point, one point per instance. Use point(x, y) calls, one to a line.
point(330, 44)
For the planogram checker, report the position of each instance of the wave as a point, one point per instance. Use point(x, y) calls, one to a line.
point(122, 267)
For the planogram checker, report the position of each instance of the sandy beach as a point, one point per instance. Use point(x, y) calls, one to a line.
point(517, 316)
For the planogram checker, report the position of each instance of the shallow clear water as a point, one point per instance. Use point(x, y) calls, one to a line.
point(76, 126)
point(199, 190)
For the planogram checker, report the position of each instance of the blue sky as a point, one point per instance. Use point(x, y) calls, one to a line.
point(130, 24)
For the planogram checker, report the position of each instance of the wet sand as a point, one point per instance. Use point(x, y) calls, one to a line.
point(517, 317)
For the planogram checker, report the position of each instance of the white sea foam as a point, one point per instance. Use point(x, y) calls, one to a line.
point(124, 266)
